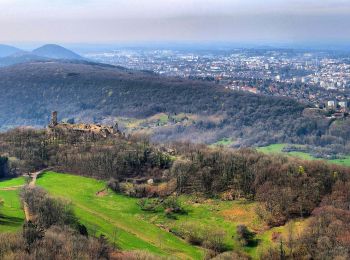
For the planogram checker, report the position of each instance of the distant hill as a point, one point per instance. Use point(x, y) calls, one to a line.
point(20, 57)
point(200, 111)
point(11, 55)
point(6, 50)
point(54, 51)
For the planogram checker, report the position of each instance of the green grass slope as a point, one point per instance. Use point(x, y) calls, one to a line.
point(116, 216)
point(278, 148)
point(11, 212)
point(122, 221)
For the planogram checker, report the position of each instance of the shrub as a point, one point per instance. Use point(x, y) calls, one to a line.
point(127, 188)
point(214, 240)
point(245, 237)
point(47, 211)
point(138, 255)
point(58, 243)
point(232, 256)
point(192, 233)
point(210, 238)
point(148, 204)
point(31, 234)
point(114, 185)
point(173, 205)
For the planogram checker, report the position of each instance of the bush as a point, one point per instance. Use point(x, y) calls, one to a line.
point(245, 237)
point(48, 211)
point(138, 255)
point(232, 256)
point(210, 238)
point(214, 240)
point(58, 243)
point(114, 185)
point(192, 233)
point(31, 234)
point(148, 204)
point(173, 205)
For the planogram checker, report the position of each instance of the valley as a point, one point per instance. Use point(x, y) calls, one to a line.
point(174, 130)
point(140, 166)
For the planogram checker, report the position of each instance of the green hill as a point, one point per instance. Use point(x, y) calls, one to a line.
point(123, 222)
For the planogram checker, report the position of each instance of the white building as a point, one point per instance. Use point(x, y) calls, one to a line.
point(331, 104)
point(343, 104)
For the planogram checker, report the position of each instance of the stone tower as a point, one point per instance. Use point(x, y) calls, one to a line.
point(53, 118)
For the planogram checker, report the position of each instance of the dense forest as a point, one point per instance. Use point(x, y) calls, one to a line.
point(89, 92)
point(285, 188)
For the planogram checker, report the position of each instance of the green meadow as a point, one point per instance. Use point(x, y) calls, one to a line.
point(116, 216)
point(11, 212)
point(278, 148)
point(121, 220)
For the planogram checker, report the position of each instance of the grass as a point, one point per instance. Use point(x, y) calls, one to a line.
point(12, 182)
point(163, 119)
point(121, 219)
point(345, 161)
point(11, 212)
point(278, 148)
point(227, 215)
point(273, 148)
point(116, 216)
point(224, 142)
point(213, 214)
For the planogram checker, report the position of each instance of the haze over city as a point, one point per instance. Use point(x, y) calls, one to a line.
point(108, 21)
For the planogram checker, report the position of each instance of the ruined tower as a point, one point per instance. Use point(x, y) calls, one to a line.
point(53, 118)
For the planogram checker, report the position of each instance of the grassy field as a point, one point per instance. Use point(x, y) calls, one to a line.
point(345, 161)
point(277, 148)
point(122, 221)
point(116, 216)
point(11, 212)
point(224, 142)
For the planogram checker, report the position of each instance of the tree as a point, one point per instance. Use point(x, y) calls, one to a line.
point(244, 235)
point(31, 234)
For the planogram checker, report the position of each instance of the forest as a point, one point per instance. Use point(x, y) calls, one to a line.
point(283, 188)
point(90, 92)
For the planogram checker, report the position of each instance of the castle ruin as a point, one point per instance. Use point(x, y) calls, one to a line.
point(97, 129)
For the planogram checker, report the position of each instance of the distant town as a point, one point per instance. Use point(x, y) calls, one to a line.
point(318, 78)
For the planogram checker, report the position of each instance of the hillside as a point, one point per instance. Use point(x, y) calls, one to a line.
point(54, 51)
point(193, 110)
point(183, 200)
point(11, 55)
point(20, 57)
point(6, 50)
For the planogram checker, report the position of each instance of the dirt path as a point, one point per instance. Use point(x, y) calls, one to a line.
point(34, 176)
point(12, 188)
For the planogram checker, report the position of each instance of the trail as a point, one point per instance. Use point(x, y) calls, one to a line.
point(12, 188)
point(34, 176)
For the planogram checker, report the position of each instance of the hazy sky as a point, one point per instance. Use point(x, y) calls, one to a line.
point(103, 21)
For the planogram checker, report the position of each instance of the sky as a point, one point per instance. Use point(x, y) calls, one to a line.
point(113, 21)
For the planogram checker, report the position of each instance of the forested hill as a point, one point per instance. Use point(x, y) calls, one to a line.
point(196, 110)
